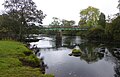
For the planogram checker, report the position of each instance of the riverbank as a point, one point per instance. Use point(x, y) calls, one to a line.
point(18, 61)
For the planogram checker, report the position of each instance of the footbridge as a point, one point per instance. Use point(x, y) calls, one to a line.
point(63, 29)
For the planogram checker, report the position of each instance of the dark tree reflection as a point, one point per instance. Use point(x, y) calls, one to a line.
point(114, 57)
point(90, 54)
point(58, 38)
point(68, 41)
point(43, 66)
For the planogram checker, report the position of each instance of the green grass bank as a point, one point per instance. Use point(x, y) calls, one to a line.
point(18, 61)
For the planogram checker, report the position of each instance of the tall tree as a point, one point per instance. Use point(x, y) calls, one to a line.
point(25, 12)
point(89, 16)
point(67, 22)
point(113, 29)
point(55, 23)
point(118, 6)
point(6, 26)
point(102, 20)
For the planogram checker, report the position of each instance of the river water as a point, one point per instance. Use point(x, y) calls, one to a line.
point(97, 60)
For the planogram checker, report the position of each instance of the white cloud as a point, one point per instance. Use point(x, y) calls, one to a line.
point(1, 6)
point(69, 9)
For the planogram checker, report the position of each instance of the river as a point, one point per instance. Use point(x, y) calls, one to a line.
point(98, 60)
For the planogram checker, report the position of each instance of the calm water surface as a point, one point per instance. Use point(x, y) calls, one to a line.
point(97, 60)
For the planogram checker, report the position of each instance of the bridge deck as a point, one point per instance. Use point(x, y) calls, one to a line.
point(53, 29)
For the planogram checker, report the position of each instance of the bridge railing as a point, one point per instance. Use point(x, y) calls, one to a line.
point(63, 28)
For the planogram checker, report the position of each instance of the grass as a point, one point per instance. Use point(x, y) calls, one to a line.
point(18, 61)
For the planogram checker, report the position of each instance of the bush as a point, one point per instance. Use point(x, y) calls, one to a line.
point(113, 30)
point(96, 34)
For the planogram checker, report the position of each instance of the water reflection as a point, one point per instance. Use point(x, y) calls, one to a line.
point(68, 41)
point(95, 52)
point(58, 38)
point(89, 54)
point(97, 60)
point(71, 41)
point(115, 51)
point(43, 66)
point(92, 52)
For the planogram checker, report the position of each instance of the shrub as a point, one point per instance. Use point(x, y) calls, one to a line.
point(96, 34)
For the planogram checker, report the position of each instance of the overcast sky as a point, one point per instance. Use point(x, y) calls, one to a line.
point(69, 9)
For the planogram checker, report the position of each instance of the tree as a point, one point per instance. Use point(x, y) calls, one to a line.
point(96, 34)
point(55, 23)
point(109, 19)
point(113, 29)
point(67, 22)
point(89, 16)
point(102, 20)
point(4, 28)
point(24, 12)
point(119, 6)
point(10, 24)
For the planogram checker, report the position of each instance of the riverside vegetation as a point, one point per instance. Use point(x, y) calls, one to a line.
point(18, 61)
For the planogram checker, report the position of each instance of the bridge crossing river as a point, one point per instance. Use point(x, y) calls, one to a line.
point(64, 29)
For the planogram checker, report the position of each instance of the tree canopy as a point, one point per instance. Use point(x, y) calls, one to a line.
point(102, 20)
point(89, 16)
point(24, 13)
point(67, 22)
point(118, 5)
point(114, 29)
point(61, 23)
point(55, 23)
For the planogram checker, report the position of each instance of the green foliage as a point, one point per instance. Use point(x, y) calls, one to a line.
point(89, 16)
point(24, 11)
point(7, 28)
point(21, 14)
point(55, 23)
point(90, 56)
point(118, 5)
point(83, 34)
point(96, 34)
point(67, 23)
point(113, 29)
point(102, 20)
point(110, 32)
point(30, 60)
point(58, 23)
point(76, 51)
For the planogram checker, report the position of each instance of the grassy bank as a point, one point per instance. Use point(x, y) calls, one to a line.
point(18, 61)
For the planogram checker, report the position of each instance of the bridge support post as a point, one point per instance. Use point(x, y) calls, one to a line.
point(58, 39)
